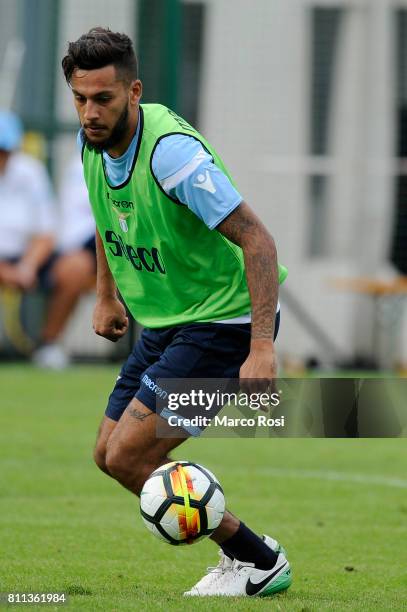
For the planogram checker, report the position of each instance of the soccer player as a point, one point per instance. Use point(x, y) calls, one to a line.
point(195, 267)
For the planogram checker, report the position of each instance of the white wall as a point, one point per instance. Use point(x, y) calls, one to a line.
point(76, 18)
point(256, 109)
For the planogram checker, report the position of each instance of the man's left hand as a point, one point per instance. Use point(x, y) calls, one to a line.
point(260, 368)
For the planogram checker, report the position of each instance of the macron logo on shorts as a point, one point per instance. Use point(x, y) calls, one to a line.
point(153, 387)
point(204, 181)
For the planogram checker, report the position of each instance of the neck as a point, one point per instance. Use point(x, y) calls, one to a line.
point(122, 146)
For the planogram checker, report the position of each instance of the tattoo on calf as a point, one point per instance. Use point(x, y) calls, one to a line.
point(137, 414)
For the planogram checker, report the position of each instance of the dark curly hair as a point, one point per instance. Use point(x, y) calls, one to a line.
point(99, 48)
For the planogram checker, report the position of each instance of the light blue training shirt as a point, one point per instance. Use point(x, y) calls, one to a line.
point(185, 171)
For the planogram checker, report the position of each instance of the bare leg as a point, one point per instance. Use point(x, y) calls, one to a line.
point(73, 275)
point(99, 454)
point(227, 528)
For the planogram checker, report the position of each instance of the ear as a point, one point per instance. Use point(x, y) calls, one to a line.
point(135, 92)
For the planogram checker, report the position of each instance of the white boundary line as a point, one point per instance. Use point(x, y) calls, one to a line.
point(367, 479)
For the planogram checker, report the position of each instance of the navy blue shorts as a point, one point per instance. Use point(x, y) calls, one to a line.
point(195, 350)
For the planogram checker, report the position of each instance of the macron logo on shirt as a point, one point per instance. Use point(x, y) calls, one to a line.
point(204, 181)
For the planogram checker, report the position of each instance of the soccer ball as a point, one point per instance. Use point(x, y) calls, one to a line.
point(182, 502)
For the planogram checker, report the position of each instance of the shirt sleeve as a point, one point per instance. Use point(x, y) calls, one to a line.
point(185, 170)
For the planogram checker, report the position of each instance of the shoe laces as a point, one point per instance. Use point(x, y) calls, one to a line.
point(237, 565)
point(224, 565)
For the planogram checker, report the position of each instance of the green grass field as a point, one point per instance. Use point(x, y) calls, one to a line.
point(338, 506)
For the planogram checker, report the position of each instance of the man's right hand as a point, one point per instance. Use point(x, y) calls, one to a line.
point(110, 319)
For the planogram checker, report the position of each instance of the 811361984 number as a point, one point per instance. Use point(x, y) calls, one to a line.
point(33, 598)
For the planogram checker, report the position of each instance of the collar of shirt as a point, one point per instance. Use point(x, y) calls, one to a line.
point(118, 168)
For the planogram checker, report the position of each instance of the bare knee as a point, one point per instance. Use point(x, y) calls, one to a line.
point(130, 470)
point(106, 428)
point(99, 457)
point(74, 272)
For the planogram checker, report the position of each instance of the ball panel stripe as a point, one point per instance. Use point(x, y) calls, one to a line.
point(167, 536)
point(189, 519)
point(204, 519)
point(208, 493)
point(150, 519)
point(168, 484)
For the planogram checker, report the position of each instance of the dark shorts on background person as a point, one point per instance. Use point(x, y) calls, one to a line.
point(90, 245)
point(195, 350)
point(44, 274)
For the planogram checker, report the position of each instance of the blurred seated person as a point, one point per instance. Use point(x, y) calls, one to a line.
point(74, 269)
point(27, 237)
point(27, 219)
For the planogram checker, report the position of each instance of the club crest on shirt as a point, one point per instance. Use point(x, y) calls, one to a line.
point(122, 219)
point(118, 206)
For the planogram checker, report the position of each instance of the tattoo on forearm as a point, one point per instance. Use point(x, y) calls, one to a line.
point(137, 414)
point(262, 278)
point(244, 229)
point(238, 226)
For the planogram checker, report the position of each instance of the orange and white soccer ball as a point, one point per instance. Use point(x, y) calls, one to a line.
point(182, 502)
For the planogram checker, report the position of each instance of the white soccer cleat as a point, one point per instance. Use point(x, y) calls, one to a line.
point(209, 583)
point(246, 581)
point(238, 578)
